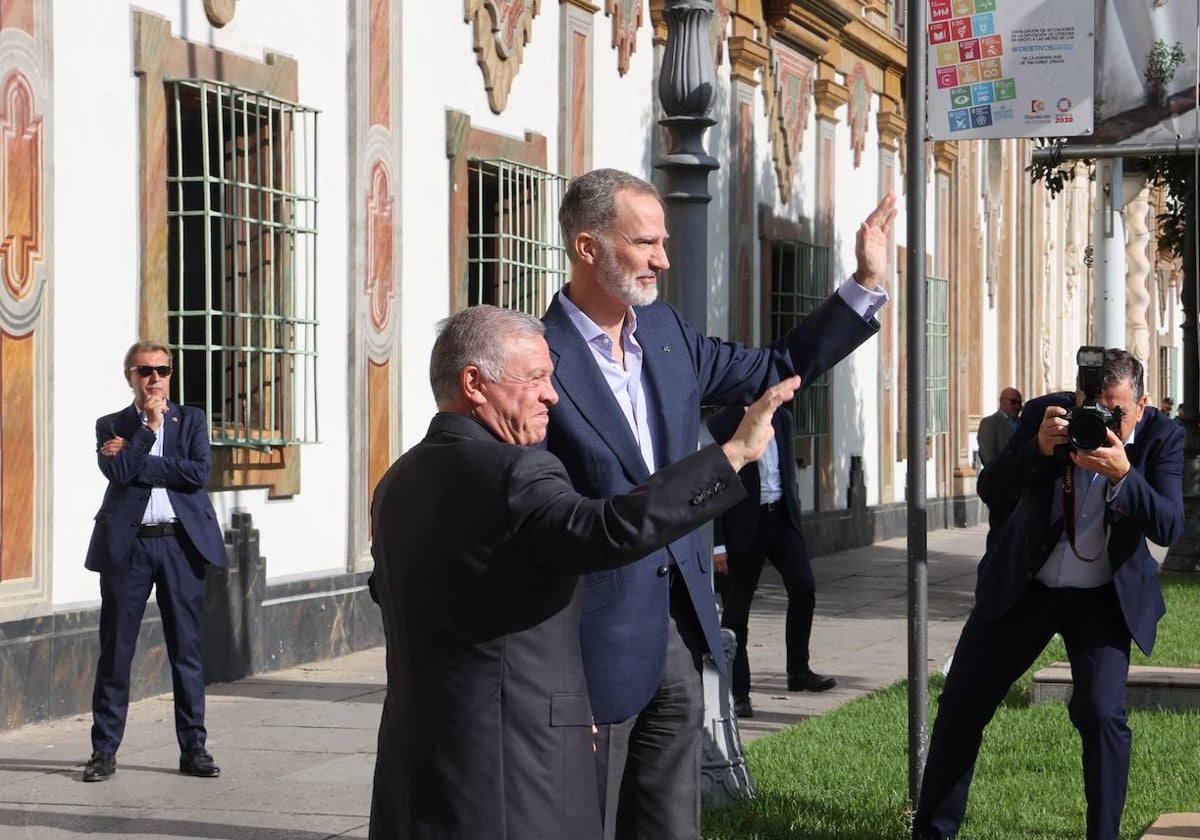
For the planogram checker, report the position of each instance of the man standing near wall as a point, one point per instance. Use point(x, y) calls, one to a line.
point(156, 527)
point(996, 429)
point(994, 432)
point(631, 376)
point(765, 526)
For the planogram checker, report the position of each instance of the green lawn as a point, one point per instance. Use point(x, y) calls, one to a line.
point(844, 775)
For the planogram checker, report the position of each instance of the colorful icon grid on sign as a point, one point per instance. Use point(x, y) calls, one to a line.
point(969, 55)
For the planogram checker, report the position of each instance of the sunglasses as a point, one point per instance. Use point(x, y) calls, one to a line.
point(144, 371)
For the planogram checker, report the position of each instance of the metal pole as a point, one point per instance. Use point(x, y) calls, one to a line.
point(918, 570)
point(686, 88)
point(1108, 234)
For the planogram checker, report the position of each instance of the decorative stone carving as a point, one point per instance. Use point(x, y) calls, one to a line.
point(21, 216)
point(502, 29)
point(219, 12)
point(1078, 233)
point(626, 21)
point(860, 110)
point(787, 88)
point(1137, 272)
point(380, 280)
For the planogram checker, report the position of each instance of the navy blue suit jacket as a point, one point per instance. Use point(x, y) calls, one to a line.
point(183, 470)
point(624, 626)
point(738, 526)
point(1148, 505)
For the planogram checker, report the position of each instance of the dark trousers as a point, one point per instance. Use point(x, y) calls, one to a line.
point(990, 656)
point(648, 767)
point(776, 540)
point(178, 580)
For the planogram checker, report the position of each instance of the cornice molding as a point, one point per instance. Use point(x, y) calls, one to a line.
point(829, 96)
point(891, 127)
point(945, 155)
point(747, 58)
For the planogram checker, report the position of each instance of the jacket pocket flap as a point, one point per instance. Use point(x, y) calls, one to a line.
point(570, 710)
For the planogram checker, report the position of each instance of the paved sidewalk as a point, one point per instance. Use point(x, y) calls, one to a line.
point(296, 747)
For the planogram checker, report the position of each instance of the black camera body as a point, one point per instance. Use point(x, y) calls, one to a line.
point(1088, 424)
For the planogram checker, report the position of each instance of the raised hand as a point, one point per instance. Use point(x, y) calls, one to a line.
point(753, 434)
point(872, 242)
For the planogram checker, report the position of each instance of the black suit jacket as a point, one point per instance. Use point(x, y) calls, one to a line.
point(478, 547)
point(183, 470)
point(1149, 505)
point(736, 528)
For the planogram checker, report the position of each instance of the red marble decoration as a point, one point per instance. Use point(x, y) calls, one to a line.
point(381, 229)
point(20, 184)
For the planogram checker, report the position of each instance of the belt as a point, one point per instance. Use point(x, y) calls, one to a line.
point(771, 507)
point(160, 529)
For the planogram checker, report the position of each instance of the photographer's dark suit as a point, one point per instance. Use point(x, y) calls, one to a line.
point(1015, 615)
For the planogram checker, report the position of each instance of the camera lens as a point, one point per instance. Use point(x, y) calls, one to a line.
point(1087, 430)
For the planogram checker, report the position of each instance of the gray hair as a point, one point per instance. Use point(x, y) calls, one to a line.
point(478, 336)
point(590, 202)
point(147, 346)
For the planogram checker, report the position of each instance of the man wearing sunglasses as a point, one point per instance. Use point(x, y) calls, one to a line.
point(156, 526)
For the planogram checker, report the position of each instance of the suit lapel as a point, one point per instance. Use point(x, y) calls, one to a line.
point(658, 363)
point(577, 379)
point(129, 422)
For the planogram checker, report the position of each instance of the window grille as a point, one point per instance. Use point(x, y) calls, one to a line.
point(801, 278)
point(937, 350)
point(242, 241)
point(515, 255)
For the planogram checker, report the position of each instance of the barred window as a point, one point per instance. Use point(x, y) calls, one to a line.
point(801, 278)
point(515, 255)
point(242, 242)
point(937, 351)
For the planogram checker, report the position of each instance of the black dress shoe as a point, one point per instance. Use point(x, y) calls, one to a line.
point(100, 766)
point(742, 707)
point(198, 763)
point(808, 681)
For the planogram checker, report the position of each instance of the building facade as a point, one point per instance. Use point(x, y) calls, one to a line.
point(293, 192)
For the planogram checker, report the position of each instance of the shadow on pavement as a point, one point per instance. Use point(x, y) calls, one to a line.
point(129, 827)
point(266, 688)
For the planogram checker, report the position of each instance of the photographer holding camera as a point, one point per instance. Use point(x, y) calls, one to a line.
point(1092, 475)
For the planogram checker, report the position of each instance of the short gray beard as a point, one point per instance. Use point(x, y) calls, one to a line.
point(620, 285)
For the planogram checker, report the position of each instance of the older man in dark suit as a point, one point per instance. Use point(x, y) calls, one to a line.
point(765, 526)
point(156, 527)
point(632, 375)
point(997, 428)
point(1071, 559)
point(479, 540)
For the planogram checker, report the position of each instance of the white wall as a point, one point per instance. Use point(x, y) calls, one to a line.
point(97, 265)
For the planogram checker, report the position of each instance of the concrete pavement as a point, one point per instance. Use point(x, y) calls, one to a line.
point(296, 748)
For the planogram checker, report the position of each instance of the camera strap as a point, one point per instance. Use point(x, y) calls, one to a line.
point(1068, 509)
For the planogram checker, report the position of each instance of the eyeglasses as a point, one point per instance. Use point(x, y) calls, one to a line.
point(144, 371)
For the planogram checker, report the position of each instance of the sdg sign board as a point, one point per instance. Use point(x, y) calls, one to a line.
point(1010, 68)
